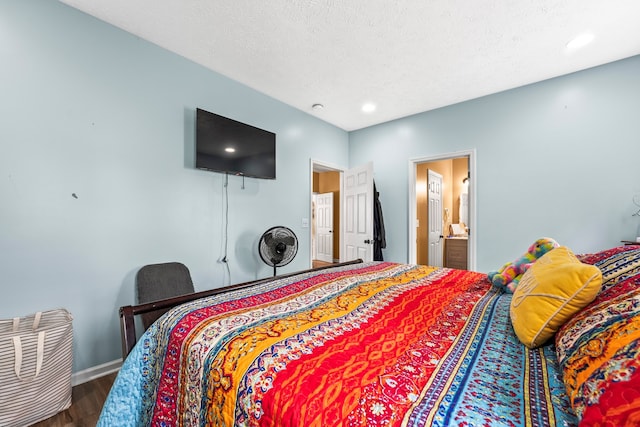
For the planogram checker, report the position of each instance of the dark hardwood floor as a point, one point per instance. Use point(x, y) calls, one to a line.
point(86, 403)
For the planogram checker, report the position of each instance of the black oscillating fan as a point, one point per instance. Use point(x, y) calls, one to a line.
point(278, 246)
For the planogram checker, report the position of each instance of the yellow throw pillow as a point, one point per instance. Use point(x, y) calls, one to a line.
point(552, 290)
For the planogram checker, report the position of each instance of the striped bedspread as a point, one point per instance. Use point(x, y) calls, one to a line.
point(375, 344)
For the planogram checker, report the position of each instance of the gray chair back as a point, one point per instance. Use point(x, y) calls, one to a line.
point(159, 281)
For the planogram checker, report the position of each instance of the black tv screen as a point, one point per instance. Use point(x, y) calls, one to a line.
point(228, 146)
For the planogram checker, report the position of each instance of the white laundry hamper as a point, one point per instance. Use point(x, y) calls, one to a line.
point(35, 367)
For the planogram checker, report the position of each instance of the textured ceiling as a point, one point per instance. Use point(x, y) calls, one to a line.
point(406, 56)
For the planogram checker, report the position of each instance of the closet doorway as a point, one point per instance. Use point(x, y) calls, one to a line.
point(452, 227)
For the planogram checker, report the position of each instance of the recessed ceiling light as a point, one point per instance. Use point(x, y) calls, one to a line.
point(230, 150)
point(369, 107)
point(317, 107)
point(580, 41)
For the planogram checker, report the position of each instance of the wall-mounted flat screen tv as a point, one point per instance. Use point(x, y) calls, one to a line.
point(228, 146)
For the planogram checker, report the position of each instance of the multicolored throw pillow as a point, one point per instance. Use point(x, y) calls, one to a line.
point(599, 348)
point(617, 264)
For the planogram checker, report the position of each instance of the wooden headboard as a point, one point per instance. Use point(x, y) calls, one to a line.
point(128, 312)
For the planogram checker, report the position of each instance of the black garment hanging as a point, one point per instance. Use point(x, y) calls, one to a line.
point(379, 239)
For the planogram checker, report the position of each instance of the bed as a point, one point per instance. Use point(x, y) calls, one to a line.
point(385, 344)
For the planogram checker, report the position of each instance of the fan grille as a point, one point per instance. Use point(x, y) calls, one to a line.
point(278, 246)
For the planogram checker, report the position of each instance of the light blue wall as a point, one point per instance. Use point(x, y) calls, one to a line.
point(90, 110)
point(559, 158)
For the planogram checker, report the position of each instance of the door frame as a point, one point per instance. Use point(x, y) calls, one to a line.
point(412, 213)
point(319, 166)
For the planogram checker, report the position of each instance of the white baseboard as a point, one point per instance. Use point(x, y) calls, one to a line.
point(94, 372)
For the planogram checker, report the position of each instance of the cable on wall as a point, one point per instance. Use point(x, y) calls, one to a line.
point(225, 233)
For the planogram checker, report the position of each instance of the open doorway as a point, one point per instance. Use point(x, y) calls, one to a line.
point(353, 201)
point(450, 231)
point(326, 184)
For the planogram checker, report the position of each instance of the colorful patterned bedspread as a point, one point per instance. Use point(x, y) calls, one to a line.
point(375, 344)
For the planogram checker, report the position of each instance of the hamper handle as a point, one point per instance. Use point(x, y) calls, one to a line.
point(17, 346)
point(36, 321)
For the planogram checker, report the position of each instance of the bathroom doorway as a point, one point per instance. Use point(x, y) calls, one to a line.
point(457, 211)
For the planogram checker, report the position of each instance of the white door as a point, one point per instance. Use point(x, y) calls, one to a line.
point(358, 213)
point(434, 197)
point(324, 230)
